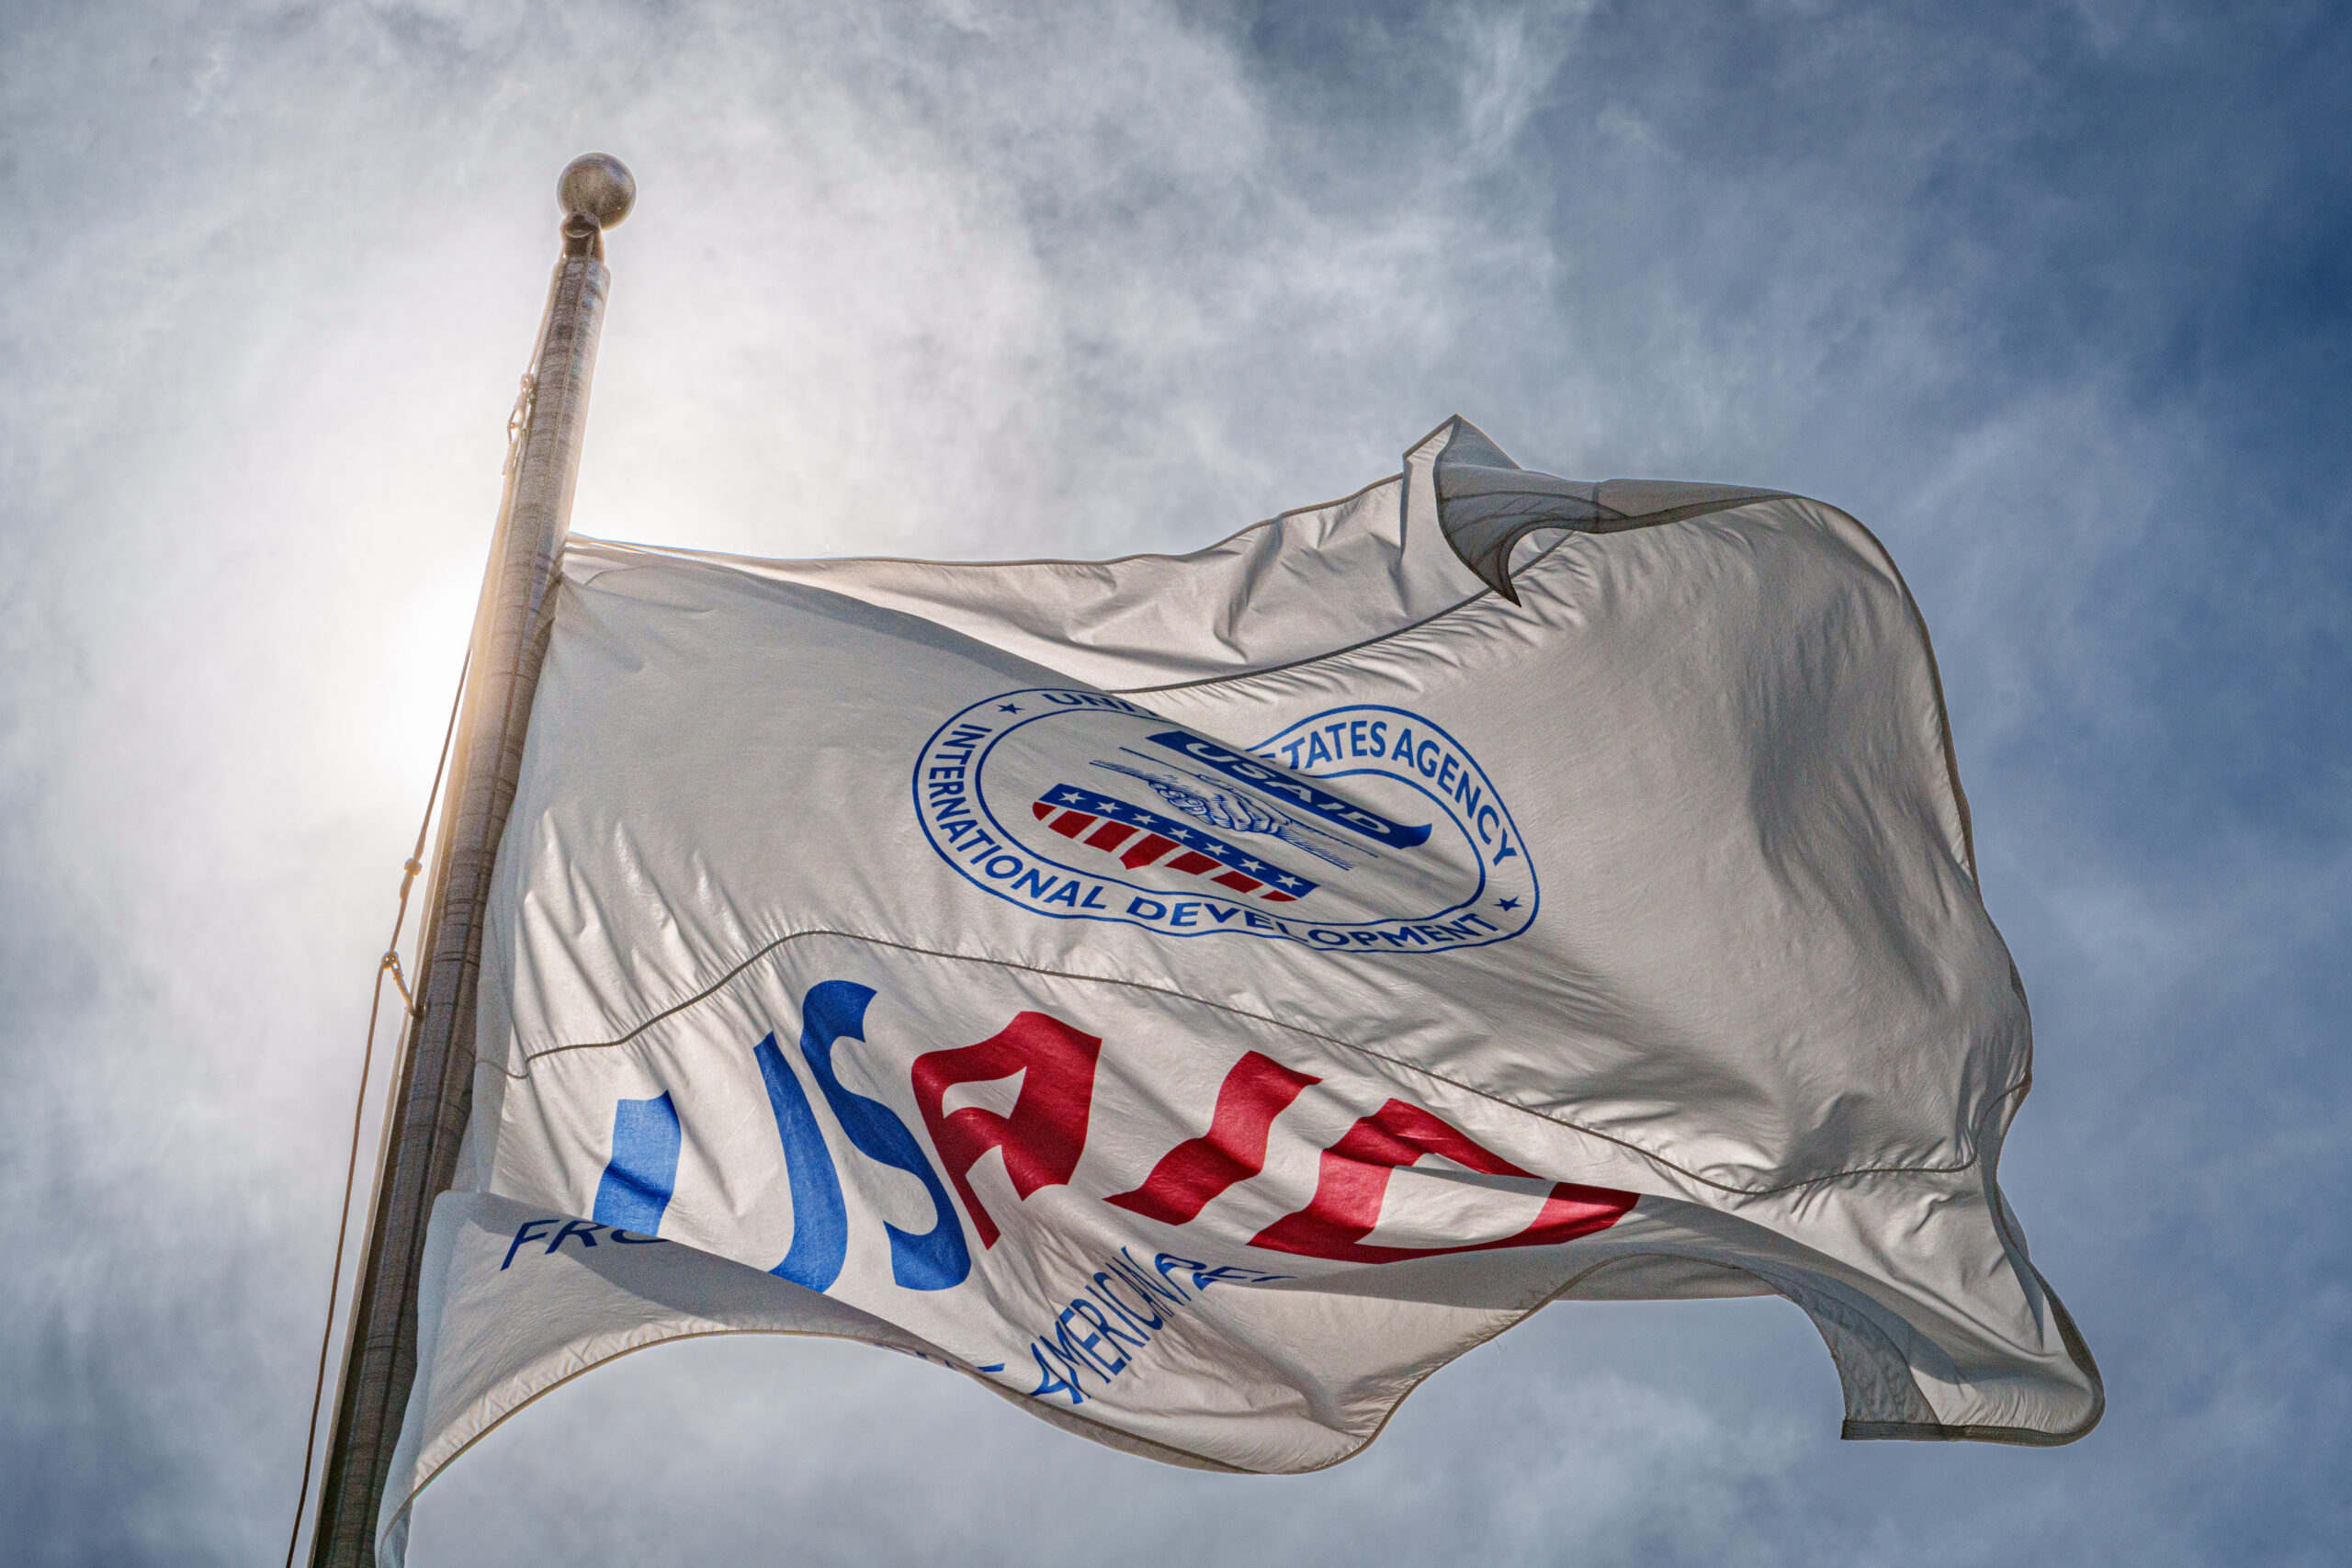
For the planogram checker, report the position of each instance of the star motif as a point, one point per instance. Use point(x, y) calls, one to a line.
point(1006, 707)
point(1071, 797)
point(1505, 904)
point(1253, 865)
point(1184, 833)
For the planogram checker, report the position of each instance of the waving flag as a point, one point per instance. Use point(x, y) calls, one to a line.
point(1197, 996)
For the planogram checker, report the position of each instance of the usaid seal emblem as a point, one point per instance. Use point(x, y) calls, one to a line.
point(1363, 829)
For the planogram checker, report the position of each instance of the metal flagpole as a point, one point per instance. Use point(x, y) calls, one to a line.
point(432, 1089)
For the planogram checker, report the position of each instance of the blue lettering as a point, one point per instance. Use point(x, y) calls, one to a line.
point(819, 1220)
point(1168, 1264)
point(936, 1259)
point(524, 1233)
point(1047, 1382)
point(1204, 1276)
point(1110, 1337)
point(1245, 1276)
point(1320, 802)
point(1136, 1273)
point(584, 1229)
point(1089, 700)
point(1089, 1343)
point(643, 1170)
point(1073, 1349)
point(1143, 1317)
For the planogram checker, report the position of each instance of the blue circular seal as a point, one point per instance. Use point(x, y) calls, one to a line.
point(1363, 828)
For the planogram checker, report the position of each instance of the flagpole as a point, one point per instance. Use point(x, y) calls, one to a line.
point(432, 1088)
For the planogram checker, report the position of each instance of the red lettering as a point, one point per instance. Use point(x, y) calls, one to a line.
point(1257, 1091)
point(1046, 1132)
point(1353, 1179)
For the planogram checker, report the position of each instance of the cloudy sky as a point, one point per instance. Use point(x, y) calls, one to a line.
point(2055, 297)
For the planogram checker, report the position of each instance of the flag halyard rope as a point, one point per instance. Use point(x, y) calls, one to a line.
point(388, 965)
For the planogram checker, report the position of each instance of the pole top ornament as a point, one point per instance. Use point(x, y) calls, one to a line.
point(598, 186)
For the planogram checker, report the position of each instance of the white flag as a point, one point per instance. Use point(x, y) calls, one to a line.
point(1198, 996)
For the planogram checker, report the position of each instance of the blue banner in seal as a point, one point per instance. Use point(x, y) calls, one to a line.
point(1294, 790)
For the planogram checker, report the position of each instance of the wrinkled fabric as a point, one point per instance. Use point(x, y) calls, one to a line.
point(1197, 996)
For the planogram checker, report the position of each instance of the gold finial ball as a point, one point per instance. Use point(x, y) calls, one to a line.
point(599, 185)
